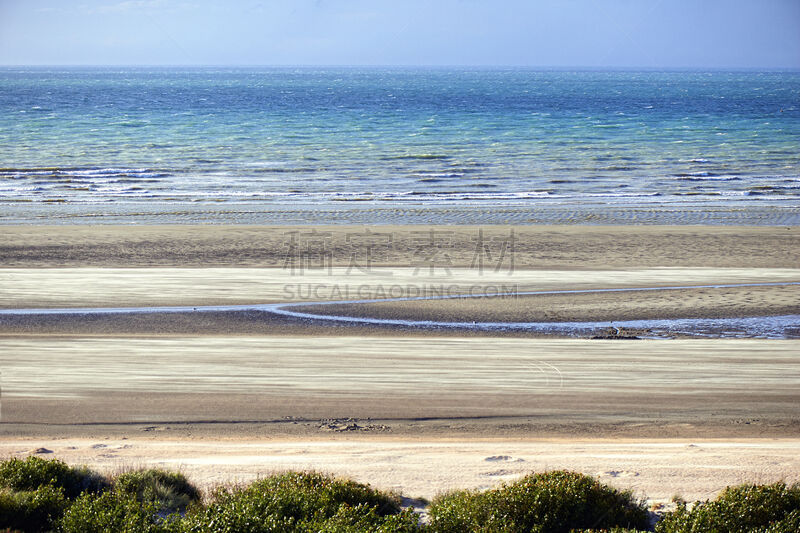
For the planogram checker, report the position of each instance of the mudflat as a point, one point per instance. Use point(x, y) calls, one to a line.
point(537, 247)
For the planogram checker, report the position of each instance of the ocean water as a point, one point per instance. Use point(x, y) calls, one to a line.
point(398, 145)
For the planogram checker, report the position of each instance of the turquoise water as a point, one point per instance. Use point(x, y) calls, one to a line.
point(352, 145)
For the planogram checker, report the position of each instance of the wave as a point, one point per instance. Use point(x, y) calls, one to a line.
point(435, 177)
point(422, 157)
point(705, 176)
point(285, 170)
point(84, 172)
point(619, 168)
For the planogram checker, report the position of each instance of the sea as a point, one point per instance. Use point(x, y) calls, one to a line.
point(285, 145)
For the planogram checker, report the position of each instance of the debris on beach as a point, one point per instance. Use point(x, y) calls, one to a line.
point(349, 424)
point(615, 333)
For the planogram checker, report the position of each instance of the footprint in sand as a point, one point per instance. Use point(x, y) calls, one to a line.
point(503, 459)
point(499, 473)
point(618, 473)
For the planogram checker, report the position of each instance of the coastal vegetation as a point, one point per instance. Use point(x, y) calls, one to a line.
point(771, 508)
point(556, 501)
point(49, 495)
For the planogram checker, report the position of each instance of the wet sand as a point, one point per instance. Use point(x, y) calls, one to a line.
point(470, 387)
point(534, 247)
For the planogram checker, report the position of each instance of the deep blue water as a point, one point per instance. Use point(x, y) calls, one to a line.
point(398, 145)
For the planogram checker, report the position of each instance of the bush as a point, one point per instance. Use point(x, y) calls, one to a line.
point(293, 502)
point(169, 491)
point(613, 530)
point(117, 512)
point(363, 518)
point(34, 510)
point(33, 473)
point(551, 502)
point(789, 524)
point(747, 508)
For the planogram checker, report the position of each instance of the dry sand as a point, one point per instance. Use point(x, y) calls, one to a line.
point(234, 396)
point(656, 469)
point(706, 302)
point(118, 287)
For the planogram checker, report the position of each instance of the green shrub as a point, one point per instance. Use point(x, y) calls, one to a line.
point(551, 502)
point(169, 491)
point(613, 530)
point(789, 524)
point(363, 518)
point(291, 502)
point(746, 508)
point(34, 510)
point(114, 511)
point(33, 472)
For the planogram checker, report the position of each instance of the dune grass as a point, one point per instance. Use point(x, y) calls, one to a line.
point(168, 491)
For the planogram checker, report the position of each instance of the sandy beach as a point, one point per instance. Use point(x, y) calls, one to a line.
point(656, 469)
point(227, 396)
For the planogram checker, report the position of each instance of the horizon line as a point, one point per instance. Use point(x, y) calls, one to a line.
point(402, 66)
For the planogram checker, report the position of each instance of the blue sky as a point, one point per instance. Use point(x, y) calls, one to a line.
point(546, 33)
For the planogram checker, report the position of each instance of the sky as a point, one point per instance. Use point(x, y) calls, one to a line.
point(535, 33)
